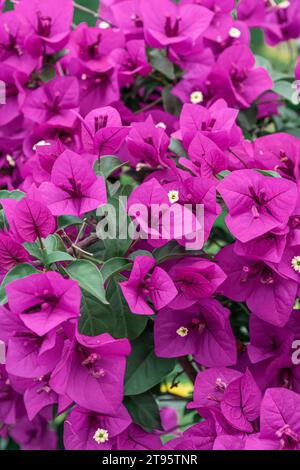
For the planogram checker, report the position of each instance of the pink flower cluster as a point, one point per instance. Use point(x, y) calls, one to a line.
point(149, 102)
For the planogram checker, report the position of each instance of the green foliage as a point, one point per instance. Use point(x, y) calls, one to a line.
point(18, 272)
point(144, 411)
point(144, 369)
point(16, 194)
point(114, 318)
point(114, 266)
point(161, 63)
point(88, 277)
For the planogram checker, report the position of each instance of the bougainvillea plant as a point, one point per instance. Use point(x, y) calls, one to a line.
point(121, 328)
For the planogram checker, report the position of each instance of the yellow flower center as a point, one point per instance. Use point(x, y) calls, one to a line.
point(173, 196)
point(182, 331)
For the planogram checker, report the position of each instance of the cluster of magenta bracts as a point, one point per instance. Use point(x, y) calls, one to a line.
point(65, 109)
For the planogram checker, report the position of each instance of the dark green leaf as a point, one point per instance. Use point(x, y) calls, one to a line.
point(94, 316)
point(114, 318)
point(247, 119)
point(18, 272)
point(161, 63)
point(171, 103)
point(114, 266)
point(144, 411)
point(64, 221)
point(116, 218)
point(107, 165)
point(172, 250)
point(144, 369)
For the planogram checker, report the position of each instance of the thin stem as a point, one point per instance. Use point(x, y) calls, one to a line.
point(69, 250)
point(88, 241)
point(76, 247)
point(93, 13)
point(85, 9)
point(176, 382)
point(41, 243)
point(80, 231)
point(189, 369)
point(149, 106)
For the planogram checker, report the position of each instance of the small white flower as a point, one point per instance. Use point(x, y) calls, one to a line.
point(10, 160)
point(101, 436)
point(173, 196)
point(234, 33)
point(104, 25)
point(296, 264)
point(196, 97)
point(182, 331)
point(84, 76)
point(161, 125)
point(284, 4)
point(41, 143)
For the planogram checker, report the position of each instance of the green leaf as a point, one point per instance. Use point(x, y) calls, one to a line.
point(222, 174)
point(172, 250)
point(113, 247)
point(57, 256)
point(114, 318)
point(144, 411)
point(285, 89)
point(18, 272)
point(263, 62)
point(89, 278)
point(171, 103)
point(34, 250)
point(94, 316)
point(177, 148)
point(272, 173)
point(139, 253)
point(161, 63)
point(127, 325)
point(294, 132)
point(107, 165)
point(64, 221)
point(54, 243)
point(16, 194)
point(114, 266)
point(247, 119)
point(144, 369)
